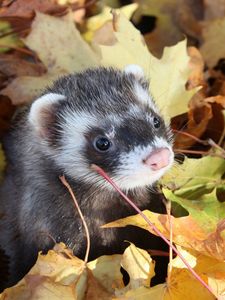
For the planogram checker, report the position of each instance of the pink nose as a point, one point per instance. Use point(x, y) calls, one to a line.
point(158, 159)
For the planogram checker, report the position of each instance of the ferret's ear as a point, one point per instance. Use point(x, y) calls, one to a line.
point(41, 115)
point(136, 70)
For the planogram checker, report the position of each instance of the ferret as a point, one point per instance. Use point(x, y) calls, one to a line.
point(101, 116)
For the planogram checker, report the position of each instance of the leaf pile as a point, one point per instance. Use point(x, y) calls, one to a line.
point(39, 42)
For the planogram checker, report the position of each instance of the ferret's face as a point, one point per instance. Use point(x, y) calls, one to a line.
point(104, 117)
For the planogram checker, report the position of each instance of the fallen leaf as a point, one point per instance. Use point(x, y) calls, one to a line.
point(106, 269)
point(61, 49)
point(56, 40)
point(217, 99)
point(173, 69)
point(214, 9)
point(14, 66)
point(57, 275)
point(166, 32)
point(194, 177)
point(26, 9)
point(139, 266)
point(213, 47)
point(25, 89)
point(196, 77)
point(210, 270)
point(96, 22)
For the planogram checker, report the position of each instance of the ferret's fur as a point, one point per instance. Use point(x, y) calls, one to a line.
point(55, 136)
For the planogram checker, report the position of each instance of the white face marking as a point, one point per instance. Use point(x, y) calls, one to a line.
point(35, 115)
point(111, 133)
point(136, 70)
point(70, 156)
point(144, 97)
point(133, 173)
point(138, 112)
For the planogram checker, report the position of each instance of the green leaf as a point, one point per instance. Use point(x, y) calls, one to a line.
point(8, 41)
point(196, 177)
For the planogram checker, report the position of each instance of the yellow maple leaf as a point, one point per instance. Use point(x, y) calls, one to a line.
point(167, 76)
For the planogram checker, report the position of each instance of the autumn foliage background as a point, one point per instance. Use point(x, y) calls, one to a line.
point(181, 48)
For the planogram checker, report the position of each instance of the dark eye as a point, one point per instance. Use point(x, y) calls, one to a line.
point(156, 123)
point(102, 144)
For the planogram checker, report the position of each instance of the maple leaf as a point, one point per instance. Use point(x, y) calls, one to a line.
point(173, 69)
point(194, 188)
point(60, 275)
point(60, 48)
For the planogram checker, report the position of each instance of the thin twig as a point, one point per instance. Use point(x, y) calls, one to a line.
point(64, 181)
point(193, 137)
point(210, 153)
point(151, 225)
point(215, 145)
point(208, 142)
point(168, 210)
point(191, 151)
point(222, 137)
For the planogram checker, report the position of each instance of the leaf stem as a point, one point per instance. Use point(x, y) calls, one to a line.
point(64, 182)
point(152, 226)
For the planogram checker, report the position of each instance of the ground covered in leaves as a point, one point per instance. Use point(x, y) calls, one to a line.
point(180, 45)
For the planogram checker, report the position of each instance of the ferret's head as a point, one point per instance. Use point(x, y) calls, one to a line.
point(105, 117)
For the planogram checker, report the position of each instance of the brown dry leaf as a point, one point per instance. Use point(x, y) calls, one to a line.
point(61, 49)
point(203, 119)
point(188, 17)
point(200, 112)
point(199, 115)
point(217, 99)
point(174, 20)
point(26, 9)
point(24, 89)
point(12, 65)
point(213, 47)
point(166, 32)
point(196, 77)
point(214, 9)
